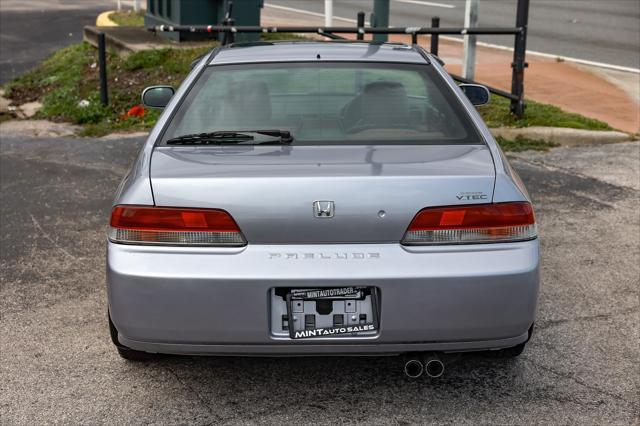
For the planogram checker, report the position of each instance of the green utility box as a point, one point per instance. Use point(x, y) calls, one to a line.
point(202, 12)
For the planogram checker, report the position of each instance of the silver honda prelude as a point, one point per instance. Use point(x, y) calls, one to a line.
point(314, 198)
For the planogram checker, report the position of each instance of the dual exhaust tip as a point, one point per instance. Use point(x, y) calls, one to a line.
point(431, 365)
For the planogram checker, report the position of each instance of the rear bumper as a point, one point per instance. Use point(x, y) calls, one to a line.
point(215, 301)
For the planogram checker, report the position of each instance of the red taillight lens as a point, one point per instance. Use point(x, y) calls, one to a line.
point(174, 226)
point(480, 223)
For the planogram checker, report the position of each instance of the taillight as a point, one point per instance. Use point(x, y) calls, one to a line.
point(479, 223)
point(174, 226)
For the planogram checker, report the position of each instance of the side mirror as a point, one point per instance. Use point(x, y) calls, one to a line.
point(477, 93)
point(157, 96)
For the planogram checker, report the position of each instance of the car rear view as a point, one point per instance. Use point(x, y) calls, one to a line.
point(321, 198)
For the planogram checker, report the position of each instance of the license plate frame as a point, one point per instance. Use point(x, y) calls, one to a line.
point(332, 294)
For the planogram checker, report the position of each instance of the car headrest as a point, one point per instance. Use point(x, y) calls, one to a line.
point(247, 102)
point(380, 102)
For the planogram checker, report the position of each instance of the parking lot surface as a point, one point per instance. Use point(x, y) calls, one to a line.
point(32, 30)
point(57, 363)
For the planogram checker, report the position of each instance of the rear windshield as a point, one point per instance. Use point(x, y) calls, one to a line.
point(327, 103)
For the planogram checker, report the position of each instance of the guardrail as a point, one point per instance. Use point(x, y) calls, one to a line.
point(516, 95)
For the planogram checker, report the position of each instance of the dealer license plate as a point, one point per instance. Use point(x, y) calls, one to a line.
point(331, 312)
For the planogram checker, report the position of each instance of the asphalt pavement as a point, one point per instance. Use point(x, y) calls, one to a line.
point(595, 30)
point(32, 30)
point(57, 363)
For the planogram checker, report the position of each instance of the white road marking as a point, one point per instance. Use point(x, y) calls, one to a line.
point(307, 12)
point(426, 3)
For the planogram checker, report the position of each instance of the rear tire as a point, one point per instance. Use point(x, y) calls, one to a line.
point(125, 352)
point(136, 356)
point(512, 352)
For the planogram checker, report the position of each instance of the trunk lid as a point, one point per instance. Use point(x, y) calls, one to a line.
point(270, 190)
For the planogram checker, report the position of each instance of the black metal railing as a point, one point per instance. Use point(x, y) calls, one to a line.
point(229, 30)
point(342, 30)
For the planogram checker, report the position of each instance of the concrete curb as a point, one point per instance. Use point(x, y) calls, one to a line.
point(119, 38)
point(133, 39)
point(563, 136)
point(120, 135)
point(104, 20)
point(38, 128)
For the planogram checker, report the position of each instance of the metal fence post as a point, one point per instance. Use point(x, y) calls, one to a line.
point(360, 24)
point(328, 13)
point(227, 37)
point(230, 35)
point(381, 10)
point(414, 36)
point(469, 48)
point(435, 23)
point(519, 52)
point(102, 61)
point(229, 11)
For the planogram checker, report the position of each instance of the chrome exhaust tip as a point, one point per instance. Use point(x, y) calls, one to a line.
point(433, 366)
point(413, 368)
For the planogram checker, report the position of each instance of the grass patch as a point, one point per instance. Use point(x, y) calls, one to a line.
point(67, 84)
point(497, 114)
point(521, 143)
point(284, 37)
point(67, 80)
point(128, 18)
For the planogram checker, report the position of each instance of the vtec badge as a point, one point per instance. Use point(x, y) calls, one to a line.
point(468, 196)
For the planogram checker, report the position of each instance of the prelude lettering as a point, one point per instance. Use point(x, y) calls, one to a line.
point(325, 256)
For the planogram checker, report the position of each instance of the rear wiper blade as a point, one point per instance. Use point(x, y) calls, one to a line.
point(210, 137)
point(284, 135)
point(231, 137)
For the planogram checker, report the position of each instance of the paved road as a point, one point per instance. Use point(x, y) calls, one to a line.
point(596, 30)
point(57, 363)
point(32, 30)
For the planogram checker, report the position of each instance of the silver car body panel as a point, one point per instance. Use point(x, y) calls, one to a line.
point(508, 186)
point(278, 185)
point(430, 295)
point(215, 300)
point(314, 51)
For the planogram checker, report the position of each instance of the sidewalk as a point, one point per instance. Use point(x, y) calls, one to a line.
point(593, 92)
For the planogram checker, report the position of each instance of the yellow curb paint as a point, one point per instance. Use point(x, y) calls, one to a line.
point(103, 19)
